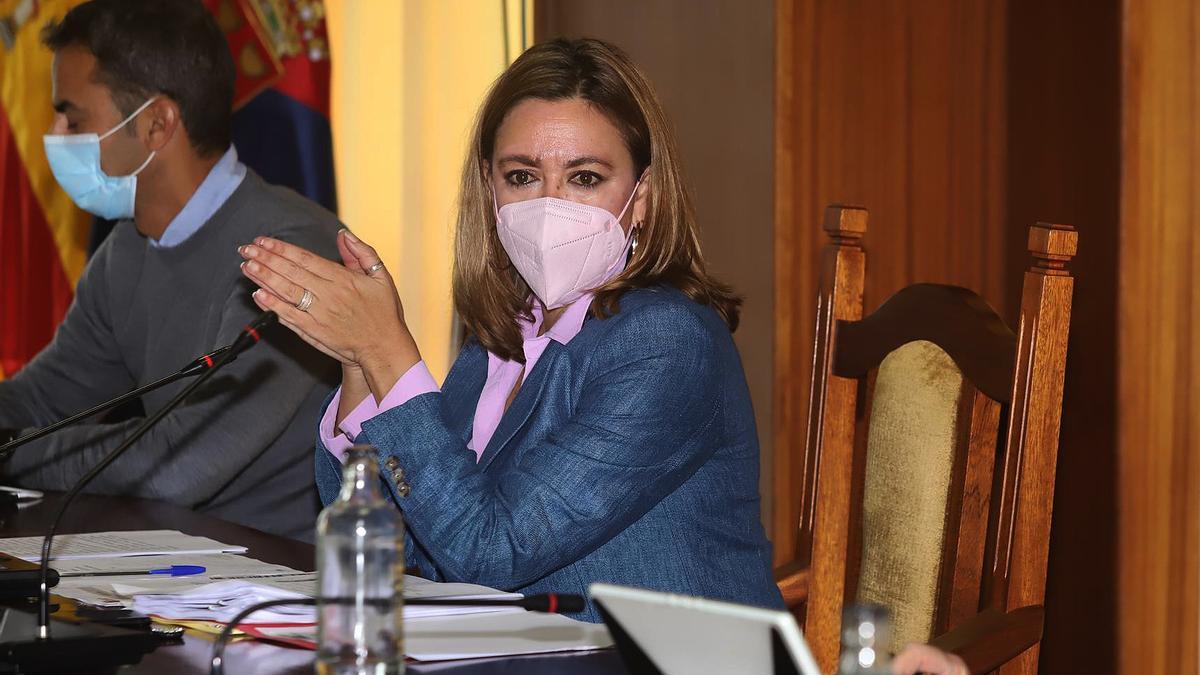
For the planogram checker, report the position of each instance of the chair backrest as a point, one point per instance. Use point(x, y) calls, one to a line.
point(932, 443)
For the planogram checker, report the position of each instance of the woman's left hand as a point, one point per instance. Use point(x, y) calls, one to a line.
point(354, 315)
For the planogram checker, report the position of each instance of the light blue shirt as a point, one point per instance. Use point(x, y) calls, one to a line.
point(225, 177)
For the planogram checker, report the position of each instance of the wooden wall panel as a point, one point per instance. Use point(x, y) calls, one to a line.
point(898, 106)
point(1064, 167)
point(1159, 339)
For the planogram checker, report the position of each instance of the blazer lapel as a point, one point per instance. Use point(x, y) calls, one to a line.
point(523, 405)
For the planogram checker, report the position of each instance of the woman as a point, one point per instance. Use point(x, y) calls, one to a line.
point(596, 426)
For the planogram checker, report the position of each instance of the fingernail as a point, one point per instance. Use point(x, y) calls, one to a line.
point(253, 267)
point(350, 236)
point(243, 265)
point(259, 294)
point(241, 249)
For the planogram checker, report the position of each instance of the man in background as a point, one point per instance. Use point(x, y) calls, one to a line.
point(143, 91)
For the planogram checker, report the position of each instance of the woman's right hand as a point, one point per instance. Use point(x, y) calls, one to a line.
point(348, 312)
point(353, 316)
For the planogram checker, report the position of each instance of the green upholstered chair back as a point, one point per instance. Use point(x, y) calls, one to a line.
point(911, 444)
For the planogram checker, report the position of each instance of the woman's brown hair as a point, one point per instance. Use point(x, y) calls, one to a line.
point(489, 294)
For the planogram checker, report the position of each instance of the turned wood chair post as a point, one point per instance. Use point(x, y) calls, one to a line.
point(826, 485)
point(1022, 544)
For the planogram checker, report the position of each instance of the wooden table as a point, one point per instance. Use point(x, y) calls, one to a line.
point(99, 514)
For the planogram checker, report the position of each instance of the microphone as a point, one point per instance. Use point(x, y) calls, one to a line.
point(550, 603)
point(43, 650)
point(196, 367)
point(251, 334)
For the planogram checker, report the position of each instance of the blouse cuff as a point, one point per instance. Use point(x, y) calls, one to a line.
point(416, 381)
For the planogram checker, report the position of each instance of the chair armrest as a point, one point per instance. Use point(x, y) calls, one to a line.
point(792, 580)
point(992, 638)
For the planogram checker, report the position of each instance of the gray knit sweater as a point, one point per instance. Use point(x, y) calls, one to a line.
point(241, 448)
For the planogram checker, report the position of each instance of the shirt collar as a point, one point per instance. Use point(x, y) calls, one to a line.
point(567, 326)
point(225, 177)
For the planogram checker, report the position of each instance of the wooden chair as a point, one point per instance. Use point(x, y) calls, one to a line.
point(905, 499)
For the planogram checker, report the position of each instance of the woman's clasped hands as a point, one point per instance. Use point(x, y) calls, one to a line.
point(352, 311)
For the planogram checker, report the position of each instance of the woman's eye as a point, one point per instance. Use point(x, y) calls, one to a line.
point(519, 177)
point(587, 179)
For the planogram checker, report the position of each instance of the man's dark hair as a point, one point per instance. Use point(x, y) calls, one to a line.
point(149, 47)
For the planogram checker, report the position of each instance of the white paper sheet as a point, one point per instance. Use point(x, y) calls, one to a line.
point(485, 635)
point(223, 566)
point(216, 566)
point(115, 545)
point(477, 636)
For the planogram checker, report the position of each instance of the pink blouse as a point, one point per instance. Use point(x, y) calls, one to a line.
point(502, 376)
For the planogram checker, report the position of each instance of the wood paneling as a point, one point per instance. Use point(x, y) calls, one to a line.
point(897, 106)
point(1159, 339)
point(1063, 123)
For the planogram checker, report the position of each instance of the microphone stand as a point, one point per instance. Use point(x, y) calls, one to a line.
point(90, 646)
point(200, 365)
point(248, 338)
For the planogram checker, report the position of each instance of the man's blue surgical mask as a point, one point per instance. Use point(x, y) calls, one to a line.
point(75, 161)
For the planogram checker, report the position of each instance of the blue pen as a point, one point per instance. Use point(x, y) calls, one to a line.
point(172, 571)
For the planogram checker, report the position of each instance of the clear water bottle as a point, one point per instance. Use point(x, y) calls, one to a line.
point(360, 557)
point(866, 640)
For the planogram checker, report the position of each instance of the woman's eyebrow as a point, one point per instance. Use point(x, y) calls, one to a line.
point(518, 159)
point(588, 159)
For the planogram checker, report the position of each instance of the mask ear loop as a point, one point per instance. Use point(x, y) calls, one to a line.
point(145, 163)
point(631, 239)
point(629, 201)
point(125, 121)
point(132, 115)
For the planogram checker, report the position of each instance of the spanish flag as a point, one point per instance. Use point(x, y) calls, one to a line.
point(43, 235)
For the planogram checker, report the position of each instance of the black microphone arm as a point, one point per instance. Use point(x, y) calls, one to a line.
point(200, 365)
point(249, 337)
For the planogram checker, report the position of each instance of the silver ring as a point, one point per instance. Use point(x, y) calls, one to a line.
point(306, 301)
point(374, 268)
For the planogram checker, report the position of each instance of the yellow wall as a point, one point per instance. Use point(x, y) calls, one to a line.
point(408, 77)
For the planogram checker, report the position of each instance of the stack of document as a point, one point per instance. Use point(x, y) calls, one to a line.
point(431, 633)
point(115, 545)
point(232, 581)
point(222, 600)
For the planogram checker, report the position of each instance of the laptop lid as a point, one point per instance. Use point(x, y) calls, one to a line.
point(669, 633)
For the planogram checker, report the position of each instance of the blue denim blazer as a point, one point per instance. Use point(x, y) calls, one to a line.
point(628, 456)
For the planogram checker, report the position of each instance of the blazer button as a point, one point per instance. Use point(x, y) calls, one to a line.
point(403, 488)
point(392, 463)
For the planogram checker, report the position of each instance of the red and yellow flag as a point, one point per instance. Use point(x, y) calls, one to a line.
point(43, 235)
